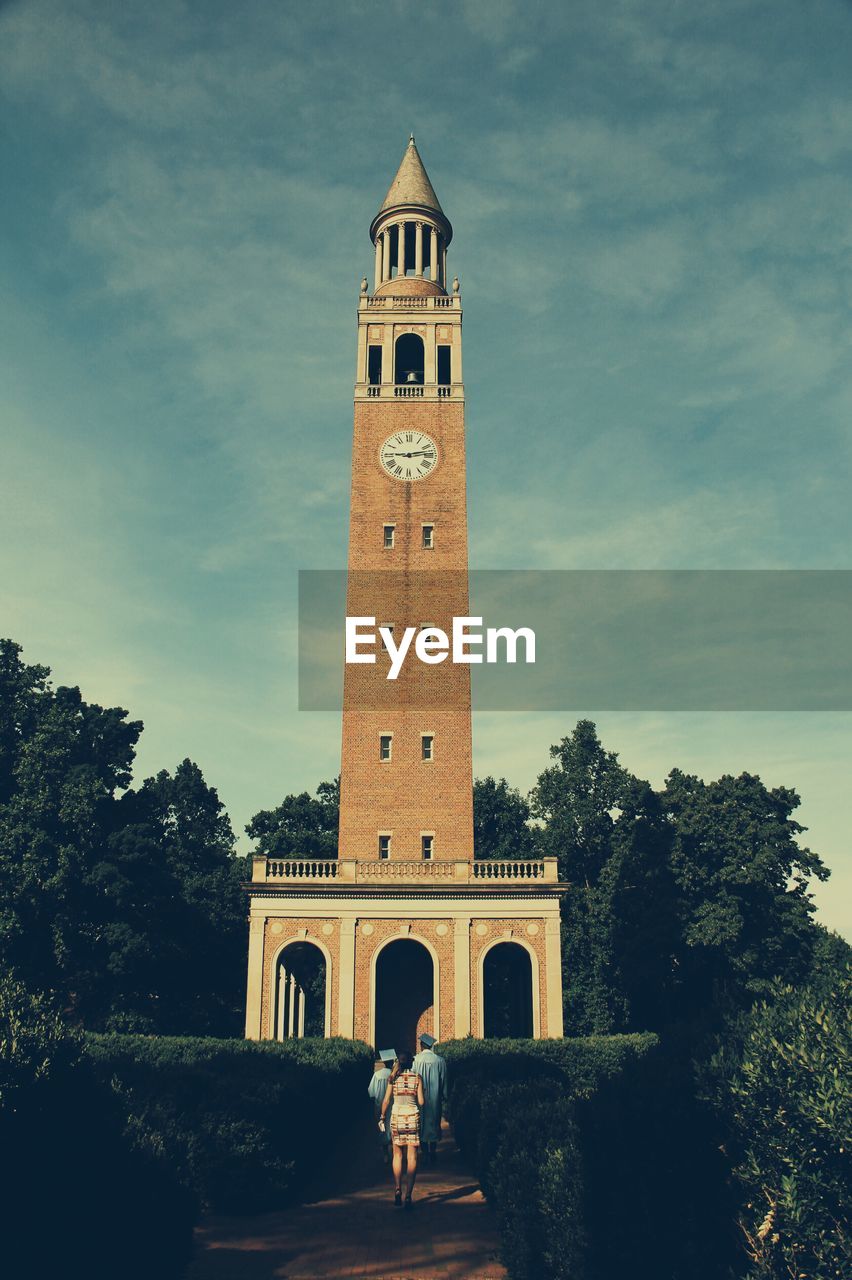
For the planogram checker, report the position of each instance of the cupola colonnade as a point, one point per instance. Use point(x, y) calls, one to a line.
point(414, 247)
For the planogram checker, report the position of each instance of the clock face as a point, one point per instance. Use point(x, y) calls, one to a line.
point(409, 455)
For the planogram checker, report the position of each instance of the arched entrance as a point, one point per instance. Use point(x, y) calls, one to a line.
point(507, 992)
point(301, 992)
point(410, 358)
point(404, 994)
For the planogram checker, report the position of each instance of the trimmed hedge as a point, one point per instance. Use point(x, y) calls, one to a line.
point(238, 1121)
point(596, 1156)
point(81, 1198)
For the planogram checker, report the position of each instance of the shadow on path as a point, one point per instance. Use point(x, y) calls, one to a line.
point(356, 1232)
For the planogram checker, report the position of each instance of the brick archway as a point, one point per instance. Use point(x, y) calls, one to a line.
point(425, 1018)
point(277, 956)
point(533, 979)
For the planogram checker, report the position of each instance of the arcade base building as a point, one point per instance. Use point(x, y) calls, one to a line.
point(415, 935)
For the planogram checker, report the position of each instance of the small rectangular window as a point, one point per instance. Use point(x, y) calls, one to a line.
point(385, 744)
point(427, 741)
point(374, 366)
point(428, 536)
point(384, 847)
point(389, 535)
point(426, 843)
point(444, 366)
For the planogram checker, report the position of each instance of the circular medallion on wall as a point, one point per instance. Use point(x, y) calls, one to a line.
point(532, 929)
point(482, 929)
point(442, 930)
point(277, 927)
point(368, 929)
point(328, 928)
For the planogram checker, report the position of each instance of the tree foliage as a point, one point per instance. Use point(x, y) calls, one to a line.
point(125, 902)
point(683, 903)
point(500, 821)
point(783, 1091)
point(611, 838)
point(302, 826)
point(742, 880)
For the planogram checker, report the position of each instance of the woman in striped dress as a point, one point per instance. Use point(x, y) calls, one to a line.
point(405, 1091)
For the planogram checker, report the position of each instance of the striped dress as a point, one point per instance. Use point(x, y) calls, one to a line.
point(405, 1118)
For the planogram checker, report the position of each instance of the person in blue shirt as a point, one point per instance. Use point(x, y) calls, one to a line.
point(432, 1069)
point(377, 1089)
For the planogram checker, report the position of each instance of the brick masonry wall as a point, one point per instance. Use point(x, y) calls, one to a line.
point(278, 932)
point(409, 287)
point(408, 585)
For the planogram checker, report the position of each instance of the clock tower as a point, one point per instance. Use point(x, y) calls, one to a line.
point(413, 933)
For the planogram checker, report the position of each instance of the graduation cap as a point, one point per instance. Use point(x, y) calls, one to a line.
point(387, 1055)
point(427, 1041)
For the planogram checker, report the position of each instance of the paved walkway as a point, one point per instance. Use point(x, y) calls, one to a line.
point(450, 1234)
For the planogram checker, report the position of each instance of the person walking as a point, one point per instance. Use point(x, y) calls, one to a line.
point(405, 1094)
point(432, 1069)
point(377, 1088)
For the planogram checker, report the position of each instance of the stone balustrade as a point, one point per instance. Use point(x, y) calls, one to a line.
point(409, 302)
point(408, 391)
point(355, 871)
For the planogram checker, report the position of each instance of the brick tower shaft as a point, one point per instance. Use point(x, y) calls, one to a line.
point(406, 770)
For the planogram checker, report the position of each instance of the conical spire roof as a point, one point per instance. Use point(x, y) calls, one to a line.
point(411, 184)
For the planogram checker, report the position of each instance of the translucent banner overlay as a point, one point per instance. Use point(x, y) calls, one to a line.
point(610, 640)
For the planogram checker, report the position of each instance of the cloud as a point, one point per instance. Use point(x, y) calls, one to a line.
point(651, 213)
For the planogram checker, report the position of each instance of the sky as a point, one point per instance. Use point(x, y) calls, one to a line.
point(652, 232)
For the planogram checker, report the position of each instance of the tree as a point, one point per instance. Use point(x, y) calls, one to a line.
point(125, 902)
point(782, 1091)
point(742, 880)
point(205, 991)
point(500, 821)
point(302, 826)
point(63, 761)
point(636, 892)
point(575, 800)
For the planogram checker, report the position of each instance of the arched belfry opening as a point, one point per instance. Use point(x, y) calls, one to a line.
point(301, 992)
point(410, 359)
point(404, 994)
point(507, 992)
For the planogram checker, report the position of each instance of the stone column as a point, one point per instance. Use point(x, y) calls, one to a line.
point(433, 252)
point(346, 993)
point(378, 261)
point(461, 966)
point(387, 353)
point(291, 1012)
point(301, 1028)
point(444, 266)
point(400, 250)
point(281, 1004)
point(430, 374)
point(255, 978)
point(553, 970)
point(418, 250)
point(386, 266)
point(456, 358)
point(362, 372)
